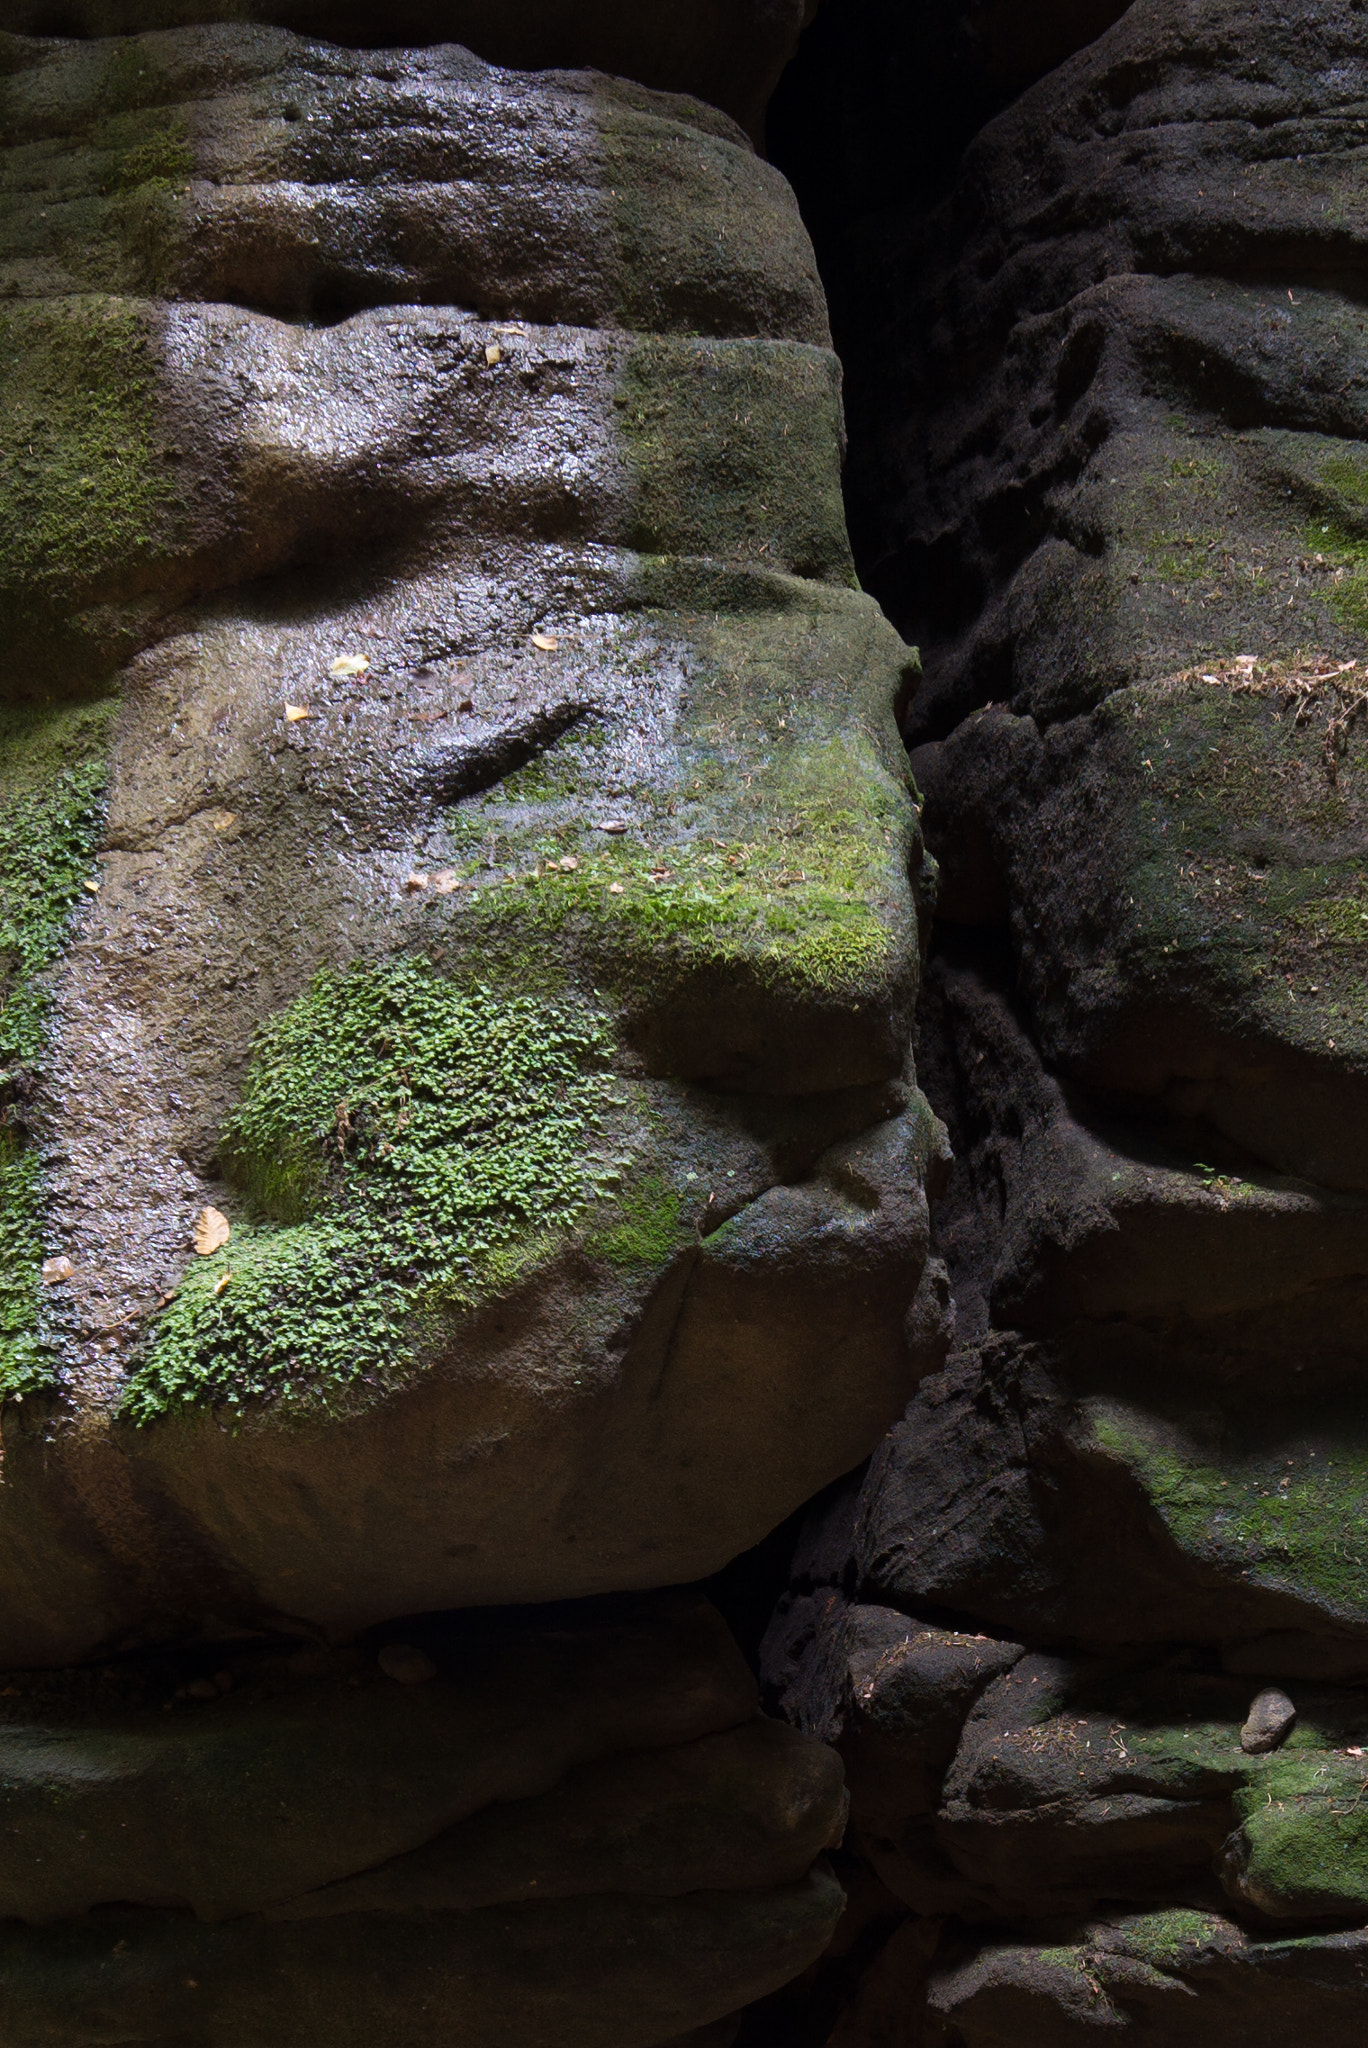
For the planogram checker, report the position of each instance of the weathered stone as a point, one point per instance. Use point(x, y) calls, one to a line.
point(577, 1808)
point(727, 51)
point(1271, 1718)
point(441, 497)
point(1183, 1976)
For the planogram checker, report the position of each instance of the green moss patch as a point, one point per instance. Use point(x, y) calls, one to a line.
point(421, 1145)
point(52, 777)
point(1295, 1524)
point(81, 495)
point(1304, 1846)
point(25, 1366)
point(799, 900)
point(1167, 1938)
point(735, 450)
point(769, 838)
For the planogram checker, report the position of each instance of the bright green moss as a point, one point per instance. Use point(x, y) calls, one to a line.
point(1295, 1526)
point(1348, 475)
point(809, 898)
point(1305, 1839)
point(1346, 595)
point(1166, 1938)
point(651, 1230)
point(421, 1144)
point(52, 778)
point(52, 775)
point(24, 1365)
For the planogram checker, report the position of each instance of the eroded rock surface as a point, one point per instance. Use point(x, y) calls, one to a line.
point(1106, 470)
point(577, 1830)
point(464, 843)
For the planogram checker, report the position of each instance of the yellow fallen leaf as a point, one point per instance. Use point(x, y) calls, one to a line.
point(222, 821)
point(616, 889)
point(568, 861)
point(493, 353)
point(294, 712)
point(547, 642)
point(93, 887)
point(212, 1232)
point(222, 1281)
point(55, 1269)
point(349, 665)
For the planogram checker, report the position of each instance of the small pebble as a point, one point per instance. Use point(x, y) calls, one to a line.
point(406, 1664)
point(1271, 1720)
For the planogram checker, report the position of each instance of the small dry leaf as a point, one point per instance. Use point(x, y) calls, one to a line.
point(55, 1269)
point(547, 642)
point(294, 712)
point(614, 825)
point(616, 889)
point(223, 820)
point(493, 353)
point(465, 705)
point(212, 1232)
point(1353, 1752)
point(93, 887)
point(222, 1282)
point(444, 884)
point(349, 665)
point(568, 861)
point(414, 882)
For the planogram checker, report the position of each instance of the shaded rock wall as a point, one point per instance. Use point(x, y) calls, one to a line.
point(1106, 445)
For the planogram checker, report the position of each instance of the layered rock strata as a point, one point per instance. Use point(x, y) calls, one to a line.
point(569, 1828)
point(1117, 497)
point(461, 841)
point(461, 903)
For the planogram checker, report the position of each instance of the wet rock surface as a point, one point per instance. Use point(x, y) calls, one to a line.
point(491, 885)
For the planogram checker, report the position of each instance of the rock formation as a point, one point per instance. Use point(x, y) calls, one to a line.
point(463, 905)
point(460, 917)
point(1092, 1632)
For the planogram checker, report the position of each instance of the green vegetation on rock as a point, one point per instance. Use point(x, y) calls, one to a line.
point(80, 489)
point(1304, 1840)
point(415, 1146)
point(52, 776)
point(1290, 1524)
point(1163, 1939)
point(733, 445)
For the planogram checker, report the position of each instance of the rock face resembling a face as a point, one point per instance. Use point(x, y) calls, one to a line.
point(459, 837)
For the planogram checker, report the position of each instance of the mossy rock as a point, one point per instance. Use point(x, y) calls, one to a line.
point(562, 1166)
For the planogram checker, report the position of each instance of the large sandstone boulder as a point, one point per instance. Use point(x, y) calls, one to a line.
point(460, 845)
